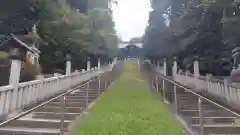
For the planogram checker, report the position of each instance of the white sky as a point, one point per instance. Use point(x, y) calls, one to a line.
point(131, 17)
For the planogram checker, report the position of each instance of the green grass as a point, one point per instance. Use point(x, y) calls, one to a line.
point(129, 108)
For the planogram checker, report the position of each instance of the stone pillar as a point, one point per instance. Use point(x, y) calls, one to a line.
point(99, 63)
point(88, 65)
point(40, 77)
point(17, 55)
point(196, 74)
point(174, 69)
point(226, 90)
point(165, 67)
point(83, 70)
point(15, 71)
point(158, 68)
point(208, 77)
point(196, 67)
point(68, 64)
point(138, 59)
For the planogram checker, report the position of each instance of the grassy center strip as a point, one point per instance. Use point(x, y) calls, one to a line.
point(129, 108)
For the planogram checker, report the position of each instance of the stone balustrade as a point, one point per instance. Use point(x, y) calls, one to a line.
point(22, 95)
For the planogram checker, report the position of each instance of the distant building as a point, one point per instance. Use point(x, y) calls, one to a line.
point(26, 41)
point(130, 52)
point(32, 54)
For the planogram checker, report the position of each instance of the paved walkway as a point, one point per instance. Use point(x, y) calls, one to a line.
point(129, 108)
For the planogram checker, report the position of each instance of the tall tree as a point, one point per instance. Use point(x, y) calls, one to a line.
point(195, 29)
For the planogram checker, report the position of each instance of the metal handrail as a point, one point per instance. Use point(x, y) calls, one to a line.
point(231, 89)
point(192, 91)
point(62, 97)
point(46, 102)
point(25, 112)
point(22, 95)
point(178, 105)
point(196, 94)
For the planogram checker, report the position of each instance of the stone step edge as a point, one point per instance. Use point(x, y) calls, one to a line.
point(217, 117)
point(73, 127)
point(43, 120)
point(33, 130)
point(217, 125)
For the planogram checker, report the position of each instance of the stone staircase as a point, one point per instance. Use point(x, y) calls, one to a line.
point(215, 119)
point(46, 120)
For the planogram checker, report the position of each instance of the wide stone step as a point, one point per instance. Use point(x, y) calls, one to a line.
point(50, 115)
point(38, 123)
point(206, 113)
point(212, 120)
point(89, 91)
point(192, 102)
point(187, 98)
point(195, 107)
point(28, 131)
point(69, 104)
point(221, 134)
point(58, 109)
point(94, 93)
point(81, 100)
point(71, 100)
point(80, 97)
point(185, 94)
point(219, 128)
point(84, 93)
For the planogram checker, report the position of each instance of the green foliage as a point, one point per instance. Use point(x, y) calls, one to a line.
point(203, 28)
point(17, 16)
point(83, 28)
point(66, 29)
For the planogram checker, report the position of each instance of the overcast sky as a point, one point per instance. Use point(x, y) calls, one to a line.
point(131, 17)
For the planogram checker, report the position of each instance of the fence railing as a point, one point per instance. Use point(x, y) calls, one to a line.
point(99, 84)
point(221, 88)
point(217, 87)
point(186, 101)
point(16, 98)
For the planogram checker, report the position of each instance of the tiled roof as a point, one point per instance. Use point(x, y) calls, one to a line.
point(24, 40)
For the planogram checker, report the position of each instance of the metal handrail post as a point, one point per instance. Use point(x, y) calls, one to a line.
point(152, 82)
point(200, 115)
point(63, 99)
point(99, 86)
point(157, 84)
point(163, 89)
point(105, 84)
point(86, 94)
point(175, 98)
